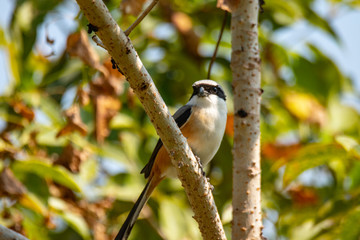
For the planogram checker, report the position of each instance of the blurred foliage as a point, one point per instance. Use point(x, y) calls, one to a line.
point(74, 137)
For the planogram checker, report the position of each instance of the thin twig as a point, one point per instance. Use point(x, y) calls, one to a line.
point(141, 17)
point(217, 45)
point(98, 42)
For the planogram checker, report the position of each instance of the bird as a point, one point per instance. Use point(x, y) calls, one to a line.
point(202, 121)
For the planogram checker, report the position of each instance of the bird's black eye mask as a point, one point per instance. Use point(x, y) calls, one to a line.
point(209, 89)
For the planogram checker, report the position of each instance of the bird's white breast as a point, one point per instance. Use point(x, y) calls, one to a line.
point(204, 129)
point(209, 116)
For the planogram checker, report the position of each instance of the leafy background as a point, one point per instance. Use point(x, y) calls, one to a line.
point(74, 137)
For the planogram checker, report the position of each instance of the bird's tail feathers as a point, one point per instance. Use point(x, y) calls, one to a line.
point(135, 211)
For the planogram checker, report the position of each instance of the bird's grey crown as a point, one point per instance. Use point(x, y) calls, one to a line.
point(209, 87)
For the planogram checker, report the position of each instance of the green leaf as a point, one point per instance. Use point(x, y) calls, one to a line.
point(319, 76)
point(347, 142)
point(177, 223)
point(341, 118)
point(316, 20)
point(47, 137)
point(355, 176)
point(311, 156)
point(34, 225)
point(89, 170)
point(44, 169)
point(122, 121)
point(76, 222)
point(349, 229)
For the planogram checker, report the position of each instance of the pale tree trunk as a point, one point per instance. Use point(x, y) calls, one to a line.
point(245, 66)
point(196, 186)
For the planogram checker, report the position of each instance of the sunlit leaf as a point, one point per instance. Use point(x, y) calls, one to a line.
point(77, 223)
point(311, 156)
point(44, 169)
point(89, 170)
point(349, 229)
point(341, 118)
point(120, 121)
point(30, 201)
point(305, 107)
point(34, 225)
point(349, 144)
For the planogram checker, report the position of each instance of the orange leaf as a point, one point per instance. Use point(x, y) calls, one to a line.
point(133, 7)
point(113, 72)
point(303, 196)
point(277, 151)
point(229, 129)
point(23, 110)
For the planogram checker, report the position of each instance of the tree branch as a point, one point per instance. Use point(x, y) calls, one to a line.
point(6, 234)
point(121, 49)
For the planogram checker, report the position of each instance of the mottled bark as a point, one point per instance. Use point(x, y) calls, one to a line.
point(245, 65)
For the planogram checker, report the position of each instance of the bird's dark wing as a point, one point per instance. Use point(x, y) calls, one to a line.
point(181, 116)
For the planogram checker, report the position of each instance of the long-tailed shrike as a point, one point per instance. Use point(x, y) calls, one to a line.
point(202, 121)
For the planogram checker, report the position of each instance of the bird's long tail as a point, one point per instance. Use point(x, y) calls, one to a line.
point(135, 211)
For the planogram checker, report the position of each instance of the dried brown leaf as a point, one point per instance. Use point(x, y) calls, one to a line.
point(61, 191)
point(78, 45)
point(133, 7)
point(74, 122)
point(303, 196)
point(183, 24)
point(9, 185)
point(277, 151)
point(83, 96)
point(113, 72)
point(131, 98)
point(23, 110)
point(104, 92)
point(106, 107)
point(227, 5)
point(71, 158)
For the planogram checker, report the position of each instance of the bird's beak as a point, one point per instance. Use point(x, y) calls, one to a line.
point(202, 92)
